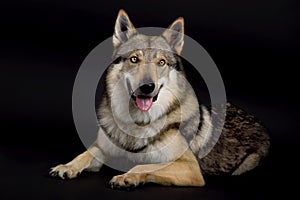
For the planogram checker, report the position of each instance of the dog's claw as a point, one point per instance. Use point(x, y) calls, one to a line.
point(64, 172)
point(142, 183)
point(53, 173)
point(113, 185)
point(65, 175)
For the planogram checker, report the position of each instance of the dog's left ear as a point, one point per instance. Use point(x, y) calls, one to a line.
point(124, 29)
point(175, 34)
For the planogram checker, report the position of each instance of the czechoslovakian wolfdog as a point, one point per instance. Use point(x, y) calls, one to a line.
point(147, 111)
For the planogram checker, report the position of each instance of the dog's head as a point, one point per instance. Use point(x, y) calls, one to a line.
point(149, 63)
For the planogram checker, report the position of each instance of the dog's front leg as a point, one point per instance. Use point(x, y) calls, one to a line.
point(91, 160)
point(184, 171)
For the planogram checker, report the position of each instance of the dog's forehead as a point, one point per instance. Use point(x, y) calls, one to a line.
point(143, 42)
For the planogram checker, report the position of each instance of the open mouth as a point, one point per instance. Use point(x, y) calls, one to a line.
point(144, 102)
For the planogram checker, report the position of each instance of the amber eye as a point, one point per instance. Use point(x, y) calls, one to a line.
point(162, 62)
point(134, 59)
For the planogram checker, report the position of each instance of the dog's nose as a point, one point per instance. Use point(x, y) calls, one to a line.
point(147, 88)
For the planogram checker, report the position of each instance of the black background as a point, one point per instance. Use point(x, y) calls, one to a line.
point(43, 43)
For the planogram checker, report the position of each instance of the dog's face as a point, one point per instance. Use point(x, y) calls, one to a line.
point(149, 64)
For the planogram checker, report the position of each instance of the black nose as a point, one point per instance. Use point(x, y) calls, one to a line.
point(147, 88)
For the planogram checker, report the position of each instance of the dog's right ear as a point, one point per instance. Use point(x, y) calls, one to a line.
point(124, 29)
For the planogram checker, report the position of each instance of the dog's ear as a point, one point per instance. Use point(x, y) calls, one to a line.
point(175, 35)
point(124, 29)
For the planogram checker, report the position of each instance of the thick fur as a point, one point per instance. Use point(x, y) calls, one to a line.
point(170, 138)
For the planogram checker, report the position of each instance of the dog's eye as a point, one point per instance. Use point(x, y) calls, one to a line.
point(162, 62)
point(134, 59)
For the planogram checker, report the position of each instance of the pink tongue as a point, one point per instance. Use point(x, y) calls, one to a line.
point(144, 104)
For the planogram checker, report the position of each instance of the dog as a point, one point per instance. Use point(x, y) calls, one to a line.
point(148, 112)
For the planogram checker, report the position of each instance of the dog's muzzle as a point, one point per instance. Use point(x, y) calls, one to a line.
point(145, 95)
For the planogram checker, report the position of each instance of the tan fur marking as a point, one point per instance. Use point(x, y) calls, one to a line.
point(73, 168)
point(185, 171)
point(248, 164)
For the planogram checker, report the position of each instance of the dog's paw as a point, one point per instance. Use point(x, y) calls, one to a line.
point(64, 172)
point(126, 181)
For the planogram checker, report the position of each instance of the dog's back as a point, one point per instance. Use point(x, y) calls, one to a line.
point(241, 146)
